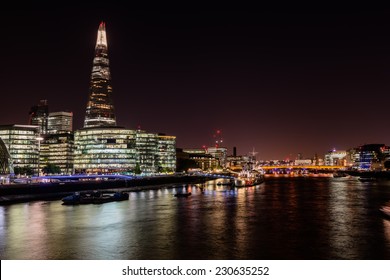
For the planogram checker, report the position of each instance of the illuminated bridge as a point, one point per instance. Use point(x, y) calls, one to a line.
point(308, 167)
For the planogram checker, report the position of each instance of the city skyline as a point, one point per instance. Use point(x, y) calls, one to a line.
point(282, 83)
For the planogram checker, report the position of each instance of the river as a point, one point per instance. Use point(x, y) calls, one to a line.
point(283, 218)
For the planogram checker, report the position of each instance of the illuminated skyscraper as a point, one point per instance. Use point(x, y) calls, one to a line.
point(100, 108)
point(102, 146)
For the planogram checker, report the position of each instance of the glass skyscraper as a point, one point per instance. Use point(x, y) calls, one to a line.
point(100, 108)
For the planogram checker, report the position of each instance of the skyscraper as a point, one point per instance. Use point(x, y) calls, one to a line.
point(38, 116)
point(100, 108)
point(103, 147)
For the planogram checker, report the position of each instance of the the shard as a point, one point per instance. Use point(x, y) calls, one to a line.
point(100, 108)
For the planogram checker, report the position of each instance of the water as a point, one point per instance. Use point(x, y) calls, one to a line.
point(307, 218)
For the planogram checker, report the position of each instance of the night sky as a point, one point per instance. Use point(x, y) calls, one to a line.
point(281, 82)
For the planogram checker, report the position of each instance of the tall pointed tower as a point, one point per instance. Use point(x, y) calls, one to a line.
point(100, 108)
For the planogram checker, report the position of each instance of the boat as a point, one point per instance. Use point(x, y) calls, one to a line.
point(182, 194)
point(367, 179)
point(94, 197)
point(248, 178)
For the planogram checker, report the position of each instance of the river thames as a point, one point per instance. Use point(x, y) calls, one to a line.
point(281, 219)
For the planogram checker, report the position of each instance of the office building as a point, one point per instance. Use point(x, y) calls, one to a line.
point(105, 150)
point(371, 156)
point(23, 145)
point(58, 149)
point(334, 157)
point(59, 122)
point(219, 153)
point(166, 153)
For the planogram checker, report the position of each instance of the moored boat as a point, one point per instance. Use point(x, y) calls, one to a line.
point(94, 197)
point(248, 178)
point(367, 179)
point(182, 194)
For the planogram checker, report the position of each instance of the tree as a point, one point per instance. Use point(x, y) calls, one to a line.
point(51, 168)
point(137, 169)
point(18, 170)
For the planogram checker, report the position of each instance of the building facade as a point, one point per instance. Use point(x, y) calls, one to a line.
point(59, 122)
point(336, 158)
point(105, 150)
point(58, 149)
point(202, 158)
point(166, 153)
point(146, 149)
point(23, 145)
point(219, 153)
point(371, 156)
point(119, 150)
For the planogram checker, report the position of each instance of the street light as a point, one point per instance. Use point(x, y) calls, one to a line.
point(39, 139)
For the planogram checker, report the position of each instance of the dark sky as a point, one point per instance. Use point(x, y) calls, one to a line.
point(282, 82)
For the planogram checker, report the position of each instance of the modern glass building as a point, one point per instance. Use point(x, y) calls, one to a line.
point(166, 153)
point(100, 108)
point(23, 145)
point(120, 150)
point(59, 122)
point(105, 150)
point(58, 149)
point(146, 149)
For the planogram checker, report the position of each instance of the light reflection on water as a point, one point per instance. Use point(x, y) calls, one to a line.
point(301, 218)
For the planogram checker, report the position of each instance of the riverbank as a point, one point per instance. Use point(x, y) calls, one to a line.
point(17, 193)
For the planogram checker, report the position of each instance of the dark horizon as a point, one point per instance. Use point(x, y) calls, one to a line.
point(281, 83)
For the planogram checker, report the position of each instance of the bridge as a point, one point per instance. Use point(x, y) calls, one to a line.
point(310, 167)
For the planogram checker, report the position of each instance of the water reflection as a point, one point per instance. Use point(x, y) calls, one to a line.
point(284, 218)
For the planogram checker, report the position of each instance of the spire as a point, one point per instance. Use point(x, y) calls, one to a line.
point(101, 36)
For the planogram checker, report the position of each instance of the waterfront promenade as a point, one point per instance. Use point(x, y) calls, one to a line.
point(56, 189)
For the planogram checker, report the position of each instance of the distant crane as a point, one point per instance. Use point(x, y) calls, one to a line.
point(252, 158)
point(253, 154)
point(218, 140)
